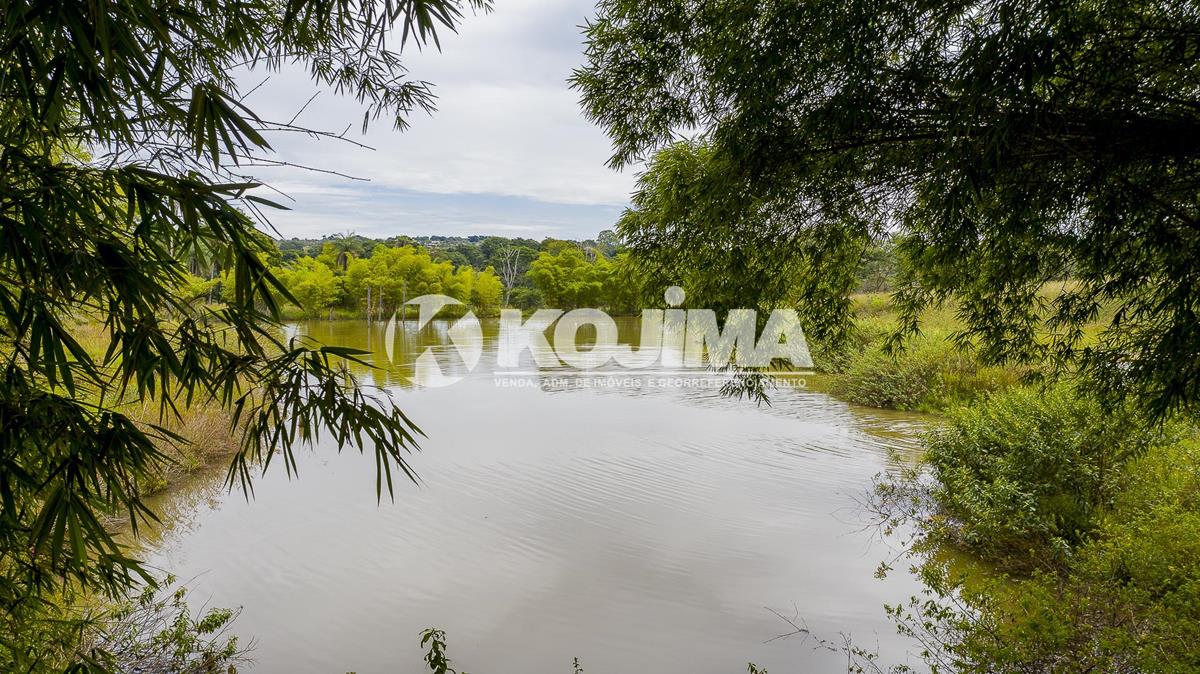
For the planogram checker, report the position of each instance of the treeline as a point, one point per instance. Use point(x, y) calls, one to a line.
point(355, 276)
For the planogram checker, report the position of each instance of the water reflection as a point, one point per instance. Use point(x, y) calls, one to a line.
point(639, 529)
point(405, 353)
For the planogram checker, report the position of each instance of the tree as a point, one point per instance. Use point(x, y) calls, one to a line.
point(459, 283)
point(514, 261)
point(488, 290)
point(566, 279)
point(336, 255)
point(877, 269)
point(313, 285)
point(608, 242)
point(625, 290)
point(124, 150)
point(999, 141)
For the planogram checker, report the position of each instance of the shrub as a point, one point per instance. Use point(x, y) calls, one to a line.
point(876, 379)
point(1127, 599)
point(930, 375)
point(1023, 476)
point(151, 631)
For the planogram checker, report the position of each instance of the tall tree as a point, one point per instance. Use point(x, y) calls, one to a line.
point(125, 147)
point(1001, 141)
point(567, 279)
point(513, 267)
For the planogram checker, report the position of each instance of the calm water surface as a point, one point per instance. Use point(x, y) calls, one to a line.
point(639, 529)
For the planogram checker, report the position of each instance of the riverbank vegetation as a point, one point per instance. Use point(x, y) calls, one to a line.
point(929, 373)
point(1053, 534)
point(1053, 530)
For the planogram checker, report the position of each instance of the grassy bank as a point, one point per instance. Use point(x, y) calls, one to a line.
point(934, 371)
point(930, 373)
point(203, 425)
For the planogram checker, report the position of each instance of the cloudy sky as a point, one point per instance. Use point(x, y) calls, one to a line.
point(507, 152)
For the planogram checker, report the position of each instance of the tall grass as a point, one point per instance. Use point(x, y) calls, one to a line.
point(931, 373)
point(204, 425)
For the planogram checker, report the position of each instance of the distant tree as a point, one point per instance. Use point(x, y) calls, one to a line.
point(336, 256)
point(459, 283)
point(878, 268)
point(313, 285)
point(555, 246)
point(526, 298)
point(566, 279)
point(488, 290)
point(608, 242)
point(401, 241)
point(455, 256)
point(338, 250)
point(390, 276)
point(514, 262)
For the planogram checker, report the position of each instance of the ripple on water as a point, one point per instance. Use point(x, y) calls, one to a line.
point(640, 530)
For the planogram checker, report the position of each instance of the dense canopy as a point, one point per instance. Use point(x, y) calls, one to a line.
point(1003, 143)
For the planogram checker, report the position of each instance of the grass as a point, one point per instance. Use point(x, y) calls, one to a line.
point(204, 425)
point(930, 374)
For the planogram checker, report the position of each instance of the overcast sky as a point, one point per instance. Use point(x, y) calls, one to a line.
point(507, 152)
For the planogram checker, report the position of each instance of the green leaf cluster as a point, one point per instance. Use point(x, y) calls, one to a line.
point(125, 147)
point(1000, 144)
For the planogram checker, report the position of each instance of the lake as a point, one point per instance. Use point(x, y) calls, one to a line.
point(639, 526)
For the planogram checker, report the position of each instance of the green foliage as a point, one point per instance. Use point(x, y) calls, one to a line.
point(1127, 598)
point(928, 375)
point(877, 379)
point(566, 276)
point(125, 152)
point(390, 276)
point(526, 299)
point(155, 631)
point(567, 279)
point(879, 267)
point(626, 288)
point(488, 291)
point(159, 633)
point(1024, 477)
point(352, 275)
point(312, 284)
point(1002, 143)
point(436, 658)
point(694, 223)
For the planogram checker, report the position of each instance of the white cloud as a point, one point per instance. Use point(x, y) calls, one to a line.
point(506, 125)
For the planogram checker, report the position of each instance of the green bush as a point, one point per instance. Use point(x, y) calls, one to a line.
point(929, 375)
point(875, 379)
point(1023, 476)
point(1126, 600)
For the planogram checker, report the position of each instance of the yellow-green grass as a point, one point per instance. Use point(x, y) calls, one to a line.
point(205, 425)
point(932, 372)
